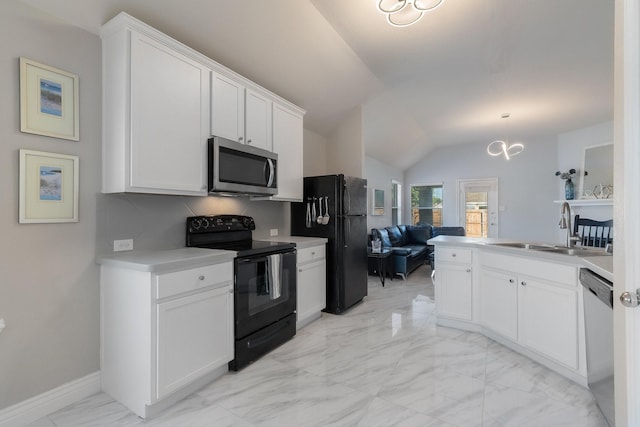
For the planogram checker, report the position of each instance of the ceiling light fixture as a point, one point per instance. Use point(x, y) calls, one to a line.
point(402, 13)
point(499, 147)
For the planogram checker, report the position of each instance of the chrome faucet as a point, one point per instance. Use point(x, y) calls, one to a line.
point(565, 223)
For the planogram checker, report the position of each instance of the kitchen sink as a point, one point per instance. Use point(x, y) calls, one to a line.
point(542, 247)
point(575, 251)
point(535, 246)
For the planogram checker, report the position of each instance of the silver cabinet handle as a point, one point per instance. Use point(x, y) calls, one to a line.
point(511, 280)
point(249, 141)
point(240, 139)
point(468, 270)
point(201, 278)
point(453, 255)
point(523, 283)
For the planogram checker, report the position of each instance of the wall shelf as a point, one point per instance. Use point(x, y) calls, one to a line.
point(587, 202)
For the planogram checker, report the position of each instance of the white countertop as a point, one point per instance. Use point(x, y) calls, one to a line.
point(602, 265)
point(302, 242)
point(166, 261)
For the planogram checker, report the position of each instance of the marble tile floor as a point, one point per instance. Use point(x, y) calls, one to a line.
point(383, 363)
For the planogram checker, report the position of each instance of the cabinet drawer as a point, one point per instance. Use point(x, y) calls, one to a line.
point(188, 280)
point(311, 254)
point(457, 255)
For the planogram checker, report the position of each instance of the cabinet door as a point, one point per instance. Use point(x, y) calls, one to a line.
point(257, 120)
point(194, 336)
point(548, 319)
point(453, 290)
point(169, 119)
point(312, 289)
point(227, 108)
point(498, 302)
point(287, 142)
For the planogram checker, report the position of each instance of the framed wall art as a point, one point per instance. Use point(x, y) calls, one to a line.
point(48, 101)
point(48, 187)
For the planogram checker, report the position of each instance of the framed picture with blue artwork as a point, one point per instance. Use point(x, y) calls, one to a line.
point(48, 187)
point(48, 101)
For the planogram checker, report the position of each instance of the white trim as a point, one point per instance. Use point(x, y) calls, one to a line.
point(39, 406)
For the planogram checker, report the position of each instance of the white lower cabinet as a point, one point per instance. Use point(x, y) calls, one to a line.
point(454, 283)
point(538, 313)
point(164, 335)
point(193, 337)
point(312, 285)
point(548, 319)
point(498, 302)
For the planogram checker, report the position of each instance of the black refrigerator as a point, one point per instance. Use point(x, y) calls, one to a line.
point(344, 198)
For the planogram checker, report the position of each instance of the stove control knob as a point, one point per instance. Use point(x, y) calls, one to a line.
point(205, 223)
point(196, 224)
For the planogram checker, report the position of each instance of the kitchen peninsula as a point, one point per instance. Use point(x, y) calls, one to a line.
point(526, 296)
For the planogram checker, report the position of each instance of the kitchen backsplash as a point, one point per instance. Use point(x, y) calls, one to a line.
point(158, 222)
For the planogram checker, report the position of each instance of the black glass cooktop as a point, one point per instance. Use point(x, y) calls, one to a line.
point(252, 247)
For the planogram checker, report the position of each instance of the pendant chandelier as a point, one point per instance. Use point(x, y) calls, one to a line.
point(499, 147)
point(402, 13)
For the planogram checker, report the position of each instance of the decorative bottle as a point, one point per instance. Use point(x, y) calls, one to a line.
point(569, 190)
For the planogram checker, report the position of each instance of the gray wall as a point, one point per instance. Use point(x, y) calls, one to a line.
point(48, 275)
point(49, 281)
point(379, 176)
point(527, 185)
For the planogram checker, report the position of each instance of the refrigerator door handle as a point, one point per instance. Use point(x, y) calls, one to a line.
point(347, 234)
point(348, 196)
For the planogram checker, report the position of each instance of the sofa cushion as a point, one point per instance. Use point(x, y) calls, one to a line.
point(395, 235)
point(383, 235)
point(401, 250)
point(403, 233)
point(416, 250)
point(418, 234)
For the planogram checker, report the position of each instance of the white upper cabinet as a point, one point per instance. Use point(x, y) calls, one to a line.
point(162, 101)
point(156, 114)
point(227, 108)
point(287, 142)
point(258, 120)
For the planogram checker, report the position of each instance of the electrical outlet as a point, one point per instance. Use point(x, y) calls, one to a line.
point(274, 232)
point(123, 245)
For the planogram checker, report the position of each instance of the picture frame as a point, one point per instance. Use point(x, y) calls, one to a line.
point(49, 103)
point(49, 185)
point(377, 201)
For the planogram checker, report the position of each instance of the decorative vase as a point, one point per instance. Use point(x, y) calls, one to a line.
point(569, 190)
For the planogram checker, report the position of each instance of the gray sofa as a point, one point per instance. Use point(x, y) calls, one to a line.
point(409, 245)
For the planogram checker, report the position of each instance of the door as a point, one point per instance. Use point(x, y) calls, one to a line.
point(626, 152)
point(194, 335)
point(548, 319)
point(168, 136)
point(264, 292)
point(453, 290)
point(257, 121)
point(354, 261)
point(227, 108)
point(478, 206)
point(355, 196)
point(498, 294)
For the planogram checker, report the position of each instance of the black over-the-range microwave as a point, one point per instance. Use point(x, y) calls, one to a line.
point(241, 169)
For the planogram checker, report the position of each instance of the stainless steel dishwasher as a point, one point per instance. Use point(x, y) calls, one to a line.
point(598, 320)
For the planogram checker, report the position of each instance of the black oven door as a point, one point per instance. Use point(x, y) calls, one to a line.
point(265, 291)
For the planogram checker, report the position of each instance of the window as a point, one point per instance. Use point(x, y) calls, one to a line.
point(396, 196)
point(426, 204)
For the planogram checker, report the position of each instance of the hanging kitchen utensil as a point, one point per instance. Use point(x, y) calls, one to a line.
point(319, 218)
point(314, 215)
point(325, 218)
point(308, 216)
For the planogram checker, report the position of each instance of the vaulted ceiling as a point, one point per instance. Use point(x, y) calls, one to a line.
point(445, 80)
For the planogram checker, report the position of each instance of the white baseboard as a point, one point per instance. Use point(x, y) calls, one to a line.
point(33, 409)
